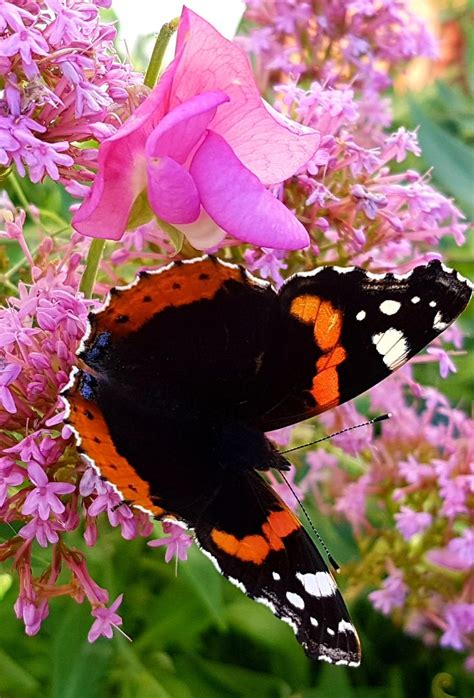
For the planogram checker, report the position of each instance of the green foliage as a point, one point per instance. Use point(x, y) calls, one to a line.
point(452, 159)
point(196, 636)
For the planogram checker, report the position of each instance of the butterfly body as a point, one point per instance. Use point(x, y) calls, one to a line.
point(187, 368)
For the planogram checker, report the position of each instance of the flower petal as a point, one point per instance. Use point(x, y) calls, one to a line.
point(122, 168)
point(273, 149)
point(171, 191)
point(37, 475)
point(239, 203)
point(203, 234)
point(180, 130)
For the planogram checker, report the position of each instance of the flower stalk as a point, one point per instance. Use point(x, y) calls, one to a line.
point(161, 43)
point(89, 276)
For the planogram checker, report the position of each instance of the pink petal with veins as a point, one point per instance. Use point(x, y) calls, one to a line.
point(272, 148)
point(121, 176)
point(182, 128)
point(239, 203)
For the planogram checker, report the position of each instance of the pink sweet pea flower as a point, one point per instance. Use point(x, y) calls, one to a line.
point(203, 146)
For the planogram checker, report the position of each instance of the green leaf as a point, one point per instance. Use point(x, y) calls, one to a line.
point(261, 630)
point(78, 667)
point(453, 161)
point(15, 681)
point(233, 680)
point(199, 572)
point(469, 34)
point(334, 682)
point(176, 236)
point(179, 615)
point(5, 584)
point(141, 211)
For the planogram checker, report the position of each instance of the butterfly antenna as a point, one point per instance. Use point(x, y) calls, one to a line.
point(332, 561)
point(380, 418)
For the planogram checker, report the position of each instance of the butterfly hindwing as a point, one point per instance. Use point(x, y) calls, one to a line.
point(261, 547)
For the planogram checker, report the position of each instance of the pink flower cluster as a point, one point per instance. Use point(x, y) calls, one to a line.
point(356, 208)
point(63, 84)
point(361, 43)
point(45, 488)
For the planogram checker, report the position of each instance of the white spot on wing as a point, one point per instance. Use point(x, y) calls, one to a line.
point(317, 584)
point(295, 599)
point(415, 299)
point(389, 307)
point(276, 576)
point(313, 622)
point(345, 627)
point(392, 345)
point(438, 322)
point(361, 315)
point(432, 304)
point(330, 631)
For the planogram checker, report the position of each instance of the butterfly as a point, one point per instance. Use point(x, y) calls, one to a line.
point(182, 372)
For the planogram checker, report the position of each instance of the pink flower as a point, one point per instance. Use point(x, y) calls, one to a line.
point(10, 476)
point(446, 365)
point(267, 262)
point(459, 622)
point(392, 595)
point(177, 543)
point(45, 532)
point(458, 554)
point(105, 620)
point(8, 374)
point(202, 145)
point(43, 499)
point(410, 522)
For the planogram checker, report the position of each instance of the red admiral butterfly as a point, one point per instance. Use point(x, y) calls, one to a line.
point(182, 373)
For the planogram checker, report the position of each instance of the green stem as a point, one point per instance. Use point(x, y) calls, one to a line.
point(53, 216)
point(92, 265)
point(162, 41)
point(16, 186)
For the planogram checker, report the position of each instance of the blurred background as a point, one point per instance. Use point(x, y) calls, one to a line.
point(194, 635)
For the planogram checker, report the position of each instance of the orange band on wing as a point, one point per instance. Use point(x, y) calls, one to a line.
point(328, 326)
point(325, 388)
point(249, 548)
point(182, 284)
point(326, 319)
point(97, 444)
point(305, 308)
point(255, 548)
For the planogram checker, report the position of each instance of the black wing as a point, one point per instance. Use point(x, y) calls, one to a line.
point(345, 330)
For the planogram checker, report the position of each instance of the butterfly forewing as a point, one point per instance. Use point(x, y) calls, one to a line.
point(348, 329)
